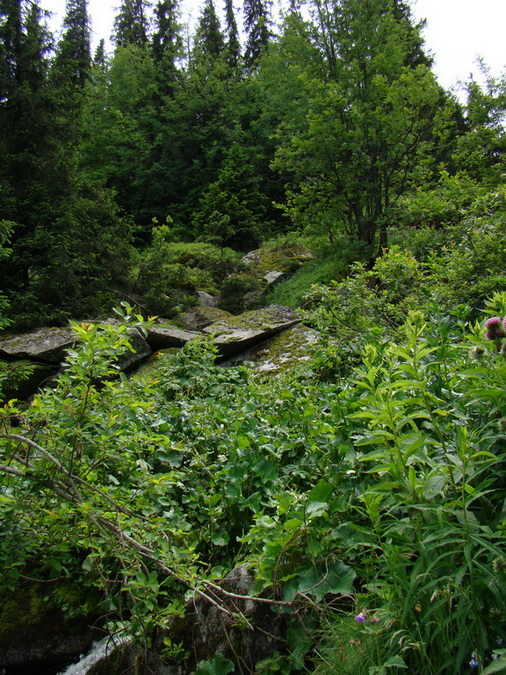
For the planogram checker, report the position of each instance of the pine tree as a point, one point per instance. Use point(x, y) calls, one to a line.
point(73, 54)
point(131, 24)
point(257, 24)
point(233, 46)
point(209, 42)
point(167, 46)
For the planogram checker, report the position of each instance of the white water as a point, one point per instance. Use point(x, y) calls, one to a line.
point(97, 652)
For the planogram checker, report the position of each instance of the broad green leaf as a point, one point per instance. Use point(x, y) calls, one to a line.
point(320, 492)
point(434, 486)
point(219, 665)
point(315, 509)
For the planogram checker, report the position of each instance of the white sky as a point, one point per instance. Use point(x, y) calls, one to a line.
point(457, 32)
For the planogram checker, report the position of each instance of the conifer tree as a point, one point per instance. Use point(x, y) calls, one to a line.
point(257, 24)
point(233, 45)
point(131, 24)
point(167, 45)
point(209, 41)
point(73, 54)
point(26, 129)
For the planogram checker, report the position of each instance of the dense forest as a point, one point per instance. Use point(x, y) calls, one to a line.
point(365, 487)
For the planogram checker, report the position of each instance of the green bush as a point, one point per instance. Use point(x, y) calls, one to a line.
point(168, 274)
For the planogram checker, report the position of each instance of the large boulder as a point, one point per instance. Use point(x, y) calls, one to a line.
point(279, 353)
point(165, 336)
point(238, 333)
point(205, 633)
point(47, 345)
point(199, 317)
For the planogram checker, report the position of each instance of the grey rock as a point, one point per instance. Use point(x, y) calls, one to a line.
point(166, 337)
point(239, 333)
point(199, 317)
point(141, 351)
point(271, 277)
point(279, 353)
point(205, 631)
point(44, 344)
point(207, 300)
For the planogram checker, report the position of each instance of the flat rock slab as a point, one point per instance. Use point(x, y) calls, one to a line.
point(166, 337)
point(279, 353)
point(44, 344)
point(199, 317)
point(239, 333)
point(141, 351)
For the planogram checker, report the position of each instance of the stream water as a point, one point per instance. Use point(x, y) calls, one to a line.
point(97, 652)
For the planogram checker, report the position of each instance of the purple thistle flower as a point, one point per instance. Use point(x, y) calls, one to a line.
point(494, 327)
point(360, 617)
point(504, 325)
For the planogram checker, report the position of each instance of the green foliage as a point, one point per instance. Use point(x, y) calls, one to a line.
point(329, 264)
point(471, 265)
point(169, 273)
point(368, 482)
point(383, 492)
point(219, 665)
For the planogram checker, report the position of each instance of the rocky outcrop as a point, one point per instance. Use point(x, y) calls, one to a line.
point(164, 336)
point(285, 350)
point(236, 334)
point(233, 335)
point(205, 633)
point(199, 317)
point(46, 345)
point(271, 265)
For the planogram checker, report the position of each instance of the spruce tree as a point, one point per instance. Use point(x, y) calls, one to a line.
point(26, 130)
point(131, 24)
point(233, 44)
point(257, 24)
point(167, 46)
point(209, 42)
point(73, 54)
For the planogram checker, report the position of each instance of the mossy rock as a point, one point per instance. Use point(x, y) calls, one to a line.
point(281, 353)
point(199, 317)
point(285, 260)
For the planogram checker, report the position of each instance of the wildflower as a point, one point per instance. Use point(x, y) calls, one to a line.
point(504, 325)
point(500, 641)
point(360, 617)
point(474, 662)
point(494, 327)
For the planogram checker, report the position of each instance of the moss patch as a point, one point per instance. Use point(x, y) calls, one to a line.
point(281, 353)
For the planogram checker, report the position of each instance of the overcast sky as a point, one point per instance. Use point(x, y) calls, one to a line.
point(457, 32)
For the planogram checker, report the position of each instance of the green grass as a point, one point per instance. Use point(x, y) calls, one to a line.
point(330, 263)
